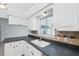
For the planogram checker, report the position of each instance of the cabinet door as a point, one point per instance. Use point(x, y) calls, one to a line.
point(25, 48)
point(19, 48)
point(14, 20)
point(33, 51)
point(14, 48)
point(64, 15)
point(17, 20)
point(33, 23)
point(30, 50)
point(36, 52)
point(9, 49)
point(77, 16)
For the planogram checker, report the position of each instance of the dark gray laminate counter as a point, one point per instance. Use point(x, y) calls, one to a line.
point(53, 49)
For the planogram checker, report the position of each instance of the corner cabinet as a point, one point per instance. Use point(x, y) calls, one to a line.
point(13, 48)
point(15, 20)
point(64, 14)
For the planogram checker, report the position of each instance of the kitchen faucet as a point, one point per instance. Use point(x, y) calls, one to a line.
point(40, 38)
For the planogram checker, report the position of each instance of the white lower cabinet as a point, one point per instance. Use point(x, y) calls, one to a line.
point(33, 51)
point(20, 48)
point(13, 48)
point(29, 50)
point(9, 49)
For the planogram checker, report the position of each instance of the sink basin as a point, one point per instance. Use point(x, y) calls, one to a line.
point(40, 43)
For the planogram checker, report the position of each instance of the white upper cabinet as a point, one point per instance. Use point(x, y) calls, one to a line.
point(77, 16)
point(33, 23)
point(64, 15)
point(17, 20)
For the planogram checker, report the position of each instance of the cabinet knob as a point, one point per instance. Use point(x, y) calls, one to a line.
point(19, 42)
point(13, 46)
point(16, 45)
point(32, 53)
point(26, 47)
point(10, 44)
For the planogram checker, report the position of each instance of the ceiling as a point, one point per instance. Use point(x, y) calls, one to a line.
point(22, 6)
point(24, 9)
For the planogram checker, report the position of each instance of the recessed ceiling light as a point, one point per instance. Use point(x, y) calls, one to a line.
point(3, 6)
point(44, 13)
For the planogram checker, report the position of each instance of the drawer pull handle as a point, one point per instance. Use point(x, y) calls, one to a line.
point(17, 46)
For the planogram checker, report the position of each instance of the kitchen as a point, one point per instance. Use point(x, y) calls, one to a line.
point(39, 29)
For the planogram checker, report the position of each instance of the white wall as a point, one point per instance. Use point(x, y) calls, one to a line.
point(12, 30)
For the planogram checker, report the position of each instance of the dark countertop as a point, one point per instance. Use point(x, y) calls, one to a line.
point(54, 49)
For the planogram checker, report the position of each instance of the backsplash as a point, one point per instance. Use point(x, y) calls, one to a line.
point(69, 34)
point(8, 31)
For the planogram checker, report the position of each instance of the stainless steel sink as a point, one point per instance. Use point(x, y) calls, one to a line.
point(40, 43)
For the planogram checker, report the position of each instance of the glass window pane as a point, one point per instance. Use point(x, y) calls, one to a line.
point(49, 21)
point(41, 30)
point(46, 26)
point(49, 31)
point(43, 26)
point(43, 22)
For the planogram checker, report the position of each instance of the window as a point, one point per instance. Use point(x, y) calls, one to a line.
point(46, 26)
point(43, 26)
